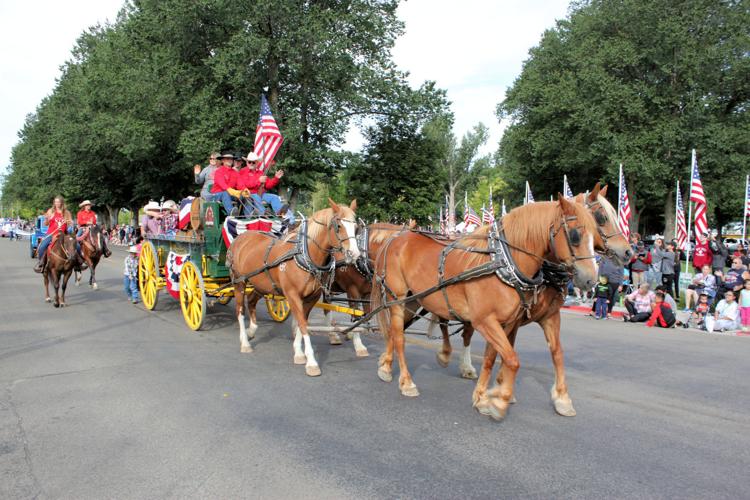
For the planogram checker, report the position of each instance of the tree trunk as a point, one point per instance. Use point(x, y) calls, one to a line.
point(134, 216)
point(669, 216)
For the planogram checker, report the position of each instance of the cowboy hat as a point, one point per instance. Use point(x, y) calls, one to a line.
point(251, 156)
point(133, 249)
point(84, 203)
point(170, 205)
point(227, 156)
point(152, 205)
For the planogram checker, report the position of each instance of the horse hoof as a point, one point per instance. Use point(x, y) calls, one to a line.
point(443, 359)
point(384, 375)
point(513, 400)
point(95, 286)
point(410, 391)
point(469, 373)
point(56, 304)
point(489, 410)
point(62, 304)
point(300, 360)
point(334, 339)
point(564, 408)
point(349, 336)
point(312, 371)
point(48, 299)
point(246, 349)
point(78, 283)
point(362, 353)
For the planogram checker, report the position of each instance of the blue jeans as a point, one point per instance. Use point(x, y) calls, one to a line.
point(601, 307)
point(223, 197)
point(131, 287)
point(271, 199)
point(43, 244)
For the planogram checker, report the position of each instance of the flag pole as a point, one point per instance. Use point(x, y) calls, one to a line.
point(676, 207)
point(690, 212)
point(744, 209)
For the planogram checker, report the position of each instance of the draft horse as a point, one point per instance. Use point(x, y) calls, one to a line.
point(92, 251)
point(61, 259)
point(609, 241)
point(296, 266)
point(561, 232)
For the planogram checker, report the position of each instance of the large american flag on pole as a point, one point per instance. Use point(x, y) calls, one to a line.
point(623, 207)
point(697, 196)
point(268, 137)
point(682, 235)
point(566, 188)
point(470, 216)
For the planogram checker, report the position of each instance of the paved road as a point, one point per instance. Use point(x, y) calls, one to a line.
point(104, 399)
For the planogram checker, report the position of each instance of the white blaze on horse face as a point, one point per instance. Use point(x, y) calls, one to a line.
point(351, 233)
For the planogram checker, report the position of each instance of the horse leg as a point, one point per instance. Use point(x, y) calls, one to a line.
point(301, 311)
point(465, 368)
point(252, 308)
point(405, 382)
point(498, 398)
point(56, 287)
point(512, 339)
point(77, 278)
point(560, 397)
point(92, 278)
point(359, 348)
point(65, 278)
point(444, 354)
point(46, 287)
point(333, 337)
point(239, 309)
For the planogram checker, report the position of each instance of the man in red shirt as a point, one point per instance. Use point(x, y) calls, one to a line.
point(258, 184)
point(225, 184)
point(702, 254)
point(85, 218)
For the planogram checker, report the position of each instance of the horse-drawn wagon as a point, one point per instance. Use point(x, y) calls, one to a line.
point(190, 264)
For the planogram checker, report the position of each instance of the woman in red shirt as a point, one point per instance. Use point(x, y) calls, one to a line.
point(59, 220)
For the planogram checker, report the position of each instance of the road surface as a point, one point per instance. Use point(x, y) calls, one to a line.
point(104, 399)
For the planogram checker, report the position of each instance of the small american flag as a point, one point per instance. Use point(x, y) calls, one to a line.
point(268, 138)
point(623, 207)
point(470, 216)
point(566, 188)
point(747, 195)
point(529, 197)
point(697, 196)
point(681, 228)
point(488, 216)
point(442, 221)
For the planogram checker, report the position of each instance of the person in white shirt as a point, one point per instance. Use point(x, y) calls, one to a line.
point(726, 315)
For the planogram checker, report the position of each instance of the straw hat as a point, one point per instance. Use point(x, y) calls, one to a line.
point(84, 203)
point(133, 249)
point(252, 156)
point(171, 206)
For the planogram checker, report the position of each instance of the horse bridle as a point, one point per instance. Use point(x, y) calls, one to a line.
point(335, 225)
point(572, 238)
point(601, 219)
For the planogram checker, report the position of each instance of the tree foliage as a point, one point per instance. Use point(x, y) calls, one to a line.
point(638, 83)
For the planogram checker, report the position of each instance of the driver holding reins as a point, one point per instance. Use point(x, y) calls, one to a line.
point(86, 218)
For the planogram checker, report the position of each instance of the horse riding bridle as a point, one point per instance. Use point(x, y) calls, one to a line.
point(335, 225)
point(601, 219)
point(572, 238)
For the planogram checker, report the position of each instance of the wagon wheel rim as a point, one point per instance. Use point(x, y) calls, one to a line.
point(192, 296)
point(148, 277)
point(277, 309)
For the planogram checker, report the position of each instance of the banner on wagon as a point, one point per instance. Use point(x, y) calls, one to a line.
point(172, 270)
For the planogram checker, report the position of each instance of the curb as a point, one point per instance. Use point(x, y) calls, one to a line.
point(587, 309)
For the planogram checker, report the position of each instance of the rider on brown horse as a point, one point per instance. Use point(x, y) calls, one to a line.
point(59, 221)
point(87, 218)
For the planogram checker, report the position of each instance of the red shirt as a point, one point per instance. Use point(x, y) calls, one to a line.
point(224, 178)
point(56, 222)
point(702, 255)
point(86, 217)
point(250, 179)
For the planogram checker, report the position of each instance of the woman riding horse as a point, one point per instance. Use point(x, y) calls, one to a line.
point(59, 222)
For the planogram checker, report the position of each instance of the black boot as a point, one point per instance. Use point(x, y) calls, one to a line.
point(40, 263)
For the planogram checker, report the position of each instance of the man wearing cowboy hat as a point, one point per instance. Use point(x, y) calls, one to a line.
point(225, 184)
point(150, 222)
point(253, 179)
point(85, 218)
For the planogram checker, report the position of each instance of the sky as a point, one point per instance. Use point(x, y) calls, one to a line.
point(473, 48)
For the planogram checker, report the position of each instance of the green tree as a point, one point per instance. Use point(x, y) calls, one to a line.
point(639, 83)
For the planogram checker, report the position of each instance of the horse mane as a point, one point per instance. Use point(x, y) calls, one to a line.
point(382, 231)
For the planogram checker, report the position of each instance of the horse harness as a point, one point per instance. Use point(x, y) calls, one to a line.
point(601, 219)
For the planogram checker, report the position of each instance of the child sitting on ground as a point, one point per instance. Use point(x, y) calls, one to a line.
point(663, 315)
point(698, 315)
point(130, 275)
point(601, 298)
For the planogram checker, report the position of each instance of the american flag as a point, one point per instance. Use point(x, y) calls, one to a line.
point(623, 207)
point(470, 216)
point(268, 138)
point(747, 196)
point(681, 228)
point(566, 188)
point(488, 216)
point(442, 221)
point(529, 197)
point(697, 196)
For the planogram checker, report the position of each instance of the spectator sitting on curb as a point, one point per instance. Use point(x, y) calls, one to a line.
point(726, 315)
point(703, 282)
point(698, 316)
point(733, 279)
point(667, 296)
point(663, 315)
point(639, 304)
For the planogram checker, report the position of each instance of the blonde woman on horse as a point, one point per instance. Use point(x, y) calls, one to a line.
point(59, 221)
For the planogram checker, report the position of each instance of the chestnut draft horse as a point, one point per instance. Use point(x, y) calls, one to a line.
point(61, 258)
point(296, 266)
point(355, 279)
point(91, 251)
point(560, 232)
point(610, 241)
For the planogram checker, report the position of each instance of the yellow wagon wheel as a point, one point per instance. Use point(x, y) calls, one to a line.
point(148, 276)
point(277, 308)
point(192, 296)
